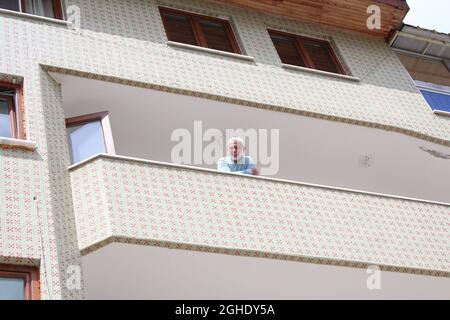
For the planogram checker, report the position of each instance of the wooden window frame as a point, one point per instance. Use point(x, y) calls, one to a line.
point(103, 118)
point(57, 8)
point(299, 45)
point(30, 275)
point(16, 109)
point(198, 32)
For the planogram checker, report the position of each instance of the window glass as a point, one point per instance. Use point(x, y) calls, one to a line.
point(437, 101)
point(5, 119)
point(305, 52)
point(43, 8)
point(12, 289)
point(320, 56)
point(10, 4)
point(86, 140)
point(287, 50)
point(199, 30)
point(40, 7)
point(216, 35)
point(179, 28)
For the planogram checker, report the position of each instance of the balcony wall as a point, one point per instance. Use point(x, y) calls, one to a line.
point(19, 221)
point(133, 201)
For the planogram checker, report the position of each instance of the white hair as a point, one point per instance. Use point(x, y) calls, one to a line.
point(234, 140)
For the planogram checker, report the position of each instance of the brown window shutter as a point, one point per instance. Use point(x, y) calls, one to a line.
point(199, 30)
point(216, 35)
point(321, 56)
point(179, 28)
point(287, 50)
point(305, 52)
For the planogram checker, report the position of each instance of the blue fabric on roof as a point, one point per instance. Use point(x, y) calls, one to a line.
point(437, 101)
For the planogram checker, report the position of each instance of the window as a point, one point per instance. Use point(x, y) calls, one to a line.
point(89, 135)
point(437, 96)
point(10, 113)
point(45, 8)
point(438, 101)
point(19, 283)
point(306, 52)
point(199, 30)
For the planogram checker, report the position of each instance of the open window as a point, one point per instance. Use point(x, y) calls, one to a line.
point(44, 8)
point(89, 135)
point(10, 111)
point(198, 30)
point(437, 96)
point(19, 283)
point(306, 52)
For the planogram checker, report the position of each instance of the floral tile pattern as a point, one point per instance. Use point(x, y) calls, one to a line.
point(151, 202)
point(124, 40)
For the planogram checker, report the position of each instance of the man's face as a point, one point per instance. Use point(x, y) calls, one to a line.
point(235, 149)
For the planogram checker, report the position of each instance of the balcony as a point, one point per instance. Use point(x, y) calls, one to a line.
point(128, 200)
point(169, 218)
point(125, 200)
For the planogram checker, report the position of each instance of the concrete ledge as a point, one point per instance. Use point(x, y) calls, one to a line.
point(323, 73)
point(32, 16)
point(206, 170)
point(19, 144)
point(212, 51)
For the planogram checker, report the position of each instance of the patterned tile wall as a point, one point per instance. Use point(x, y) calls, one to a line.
point(37, 225)
point(125, 40)
point(19, 217)
point(145, 201)
point(385, 96)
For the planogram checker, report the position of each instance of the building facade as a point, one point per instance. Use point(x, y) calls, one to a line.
point(426, 56)
point(361, 178)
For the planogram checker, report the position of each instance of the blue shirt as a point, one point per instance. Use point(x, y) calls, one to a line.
point(243, 166)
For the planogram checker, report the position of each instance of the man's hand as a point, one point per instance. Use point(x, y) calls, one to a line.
point(255, 172)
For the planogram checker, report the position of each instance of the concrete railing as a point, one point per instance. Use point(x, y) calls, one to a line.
point(139, 201)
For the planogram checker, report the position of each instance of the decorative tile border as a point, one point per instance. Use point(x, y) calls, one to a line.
point(259, 254)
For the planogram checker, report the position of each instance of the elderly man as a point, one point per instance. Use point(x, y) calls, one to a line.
point(237, 161)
